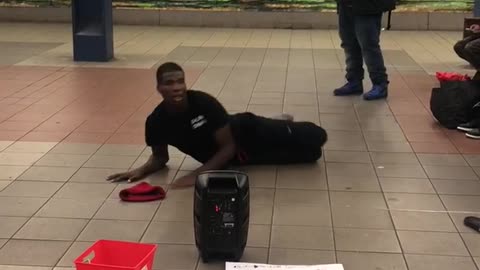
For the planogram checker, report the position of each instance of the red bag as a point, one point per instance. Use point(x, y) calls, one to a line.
point(451, 76)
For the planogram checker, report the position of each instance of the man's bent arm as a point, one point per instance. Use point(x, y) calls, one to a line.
point(156, 162)
point(226, 151)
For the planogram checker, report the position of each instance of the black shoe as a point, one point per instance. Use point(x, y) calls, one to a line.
point(467, 127)
point(473, 134)
point(472, 222)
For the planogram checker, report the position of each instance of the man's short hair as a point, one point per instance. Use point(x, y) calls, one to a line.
point(167, 67)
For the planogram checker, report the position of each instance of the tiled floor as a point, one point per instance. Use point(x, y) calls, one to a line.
point(391, 192)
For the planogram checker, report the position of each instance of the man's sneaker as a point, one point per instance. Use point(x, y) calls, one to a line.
point(350, 88)
point(474, 134)
point(284, 116)
point(469, 126)
point(377, 92)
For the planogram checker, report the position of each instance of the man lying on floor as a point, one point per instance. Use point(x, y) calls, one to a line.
point(199, 126)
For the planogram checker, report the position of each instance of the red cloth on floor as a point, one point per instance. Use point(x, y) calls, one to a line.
point(142, 192)
point(451, 76)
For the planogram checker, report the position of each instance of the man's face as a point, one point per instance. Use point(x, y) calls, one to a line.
point(173, 88)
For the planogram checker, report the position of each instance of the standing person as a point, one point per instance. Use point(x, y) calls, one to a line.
point(360, 24)
point(199, 126)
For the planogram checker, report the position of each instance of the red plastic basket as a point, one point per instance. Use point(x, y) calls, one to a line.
point(116, 255)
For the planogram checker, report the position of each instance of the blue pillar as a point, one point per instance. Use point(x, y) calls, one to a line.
point(92, 27)
point(476, 8)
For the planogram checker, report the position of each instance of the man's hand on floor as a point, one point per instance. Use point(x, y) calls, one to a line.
point(131, 176)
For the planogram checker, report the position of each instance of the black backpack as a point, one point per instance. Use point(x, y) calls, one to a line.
point(452, 103)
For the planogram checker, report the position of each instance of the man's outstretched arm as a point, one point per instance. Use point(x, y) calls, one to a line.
point(226, 152)
point(157, 161)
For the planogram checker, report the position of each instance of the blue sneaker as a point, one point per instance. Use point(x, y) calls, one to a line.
point(350, 88)
point(377, 92)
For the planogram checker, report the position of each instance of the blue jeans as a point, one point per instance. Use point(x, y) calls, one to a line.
point(360, 36)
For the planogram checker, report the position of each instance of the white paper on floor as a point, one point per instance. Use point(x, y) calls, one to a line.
point(259, 266)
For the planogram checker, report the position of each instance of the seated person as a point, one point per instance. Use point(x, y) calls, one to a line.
point(199, 126)
point(469, 48)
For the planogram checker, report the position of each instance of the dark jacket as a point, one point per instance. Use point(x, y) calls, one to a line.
point(369, 7)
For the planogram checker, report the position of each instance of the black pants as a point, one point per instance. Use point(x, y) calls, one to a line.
point(263, 141)
point(469, 49)
point(360, 36)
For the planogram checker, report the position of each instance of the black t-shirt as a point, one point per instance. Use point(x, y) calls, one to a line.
point(193, 131)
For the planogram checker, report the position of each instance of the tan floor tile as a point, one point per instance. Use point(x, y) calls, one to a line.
point(423, 221)
point(367, 261)
point(19, 159)
point(10, 225)
point(477, 260)
point(259, 236)
point(186, 195)
point(18, 267)
point(33, 253)
point(407, 185)
point(358, 217)
point(302, 237)
point(450, 172)
point(301, 215)
point(51, 229)
point(442, 160)
point(404, 201)
point(380, 146)
point(350, 170)
point(120, 150)
point(73, 252)
point(4, 184)
point(405, 171)
point(294, 196)
point(114, 230)
point(432, 243)
point(367, 240)
point(11, 172)
point(358, 200)
point(75, 148)
point(381, 158)
point(5, 144)
point(179, 211)
point(113, 162)
point(62, 160)
point(176, 257)
point(420, 262)
point(119, 210)
point(458, 219)
point(250, 255)
point(347, 157)
point(31, 189)
point(461, 203)
point(170, 233)
point(261, 176)
point(80, 190)
point(300, 256)
point(262, 196)
point(473, 243)
point(70, 208)
point(30, 147)
point(92, 175)
point(189, 164)
point(261, 214)
point(302, 177)
point(20, 206)
point(340, 183)
point(51, 174)
point(457, 187)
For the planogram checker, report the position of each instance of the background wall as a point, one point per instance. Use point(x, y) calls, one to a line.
point(260, 5)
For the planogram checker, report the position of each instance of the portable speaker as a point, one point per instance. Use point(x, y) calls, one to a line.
point(221, 214)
